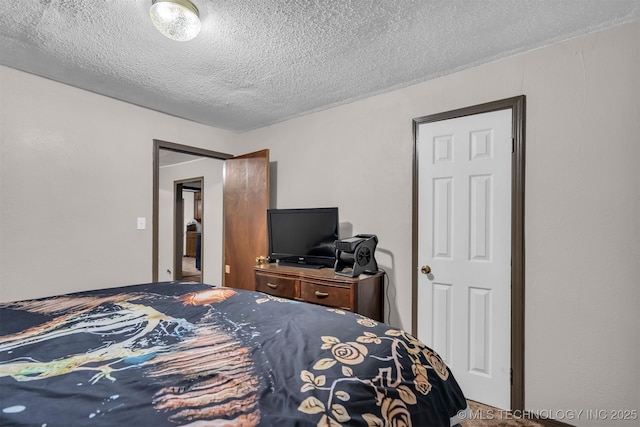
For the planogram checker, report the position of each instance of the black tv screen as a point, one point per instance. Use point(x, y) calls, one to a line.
point(304, 237)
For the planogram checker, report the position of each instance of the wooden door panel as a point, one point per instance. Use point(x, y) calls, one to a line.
point(246, 199)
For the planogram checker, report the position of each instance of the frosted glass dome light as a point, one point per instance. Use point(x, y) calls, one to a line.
point(176, 19)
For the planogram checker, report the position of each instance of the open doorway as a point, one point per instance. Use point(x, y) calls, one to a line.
point(174, 163)
point(236, 220)
point(189, 230)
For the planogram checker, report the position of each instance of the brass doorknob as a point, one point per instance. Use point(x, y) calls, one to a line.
point(425, 269)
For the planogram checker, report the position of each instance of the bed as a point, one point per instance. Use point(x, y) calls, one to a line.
point(177, 353)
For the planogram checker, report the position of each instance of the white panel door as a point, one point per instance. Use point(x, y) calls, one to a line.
point(464, 303)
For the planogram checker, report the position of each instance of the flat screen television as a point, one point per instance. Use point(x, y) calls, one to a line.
point(304, 237)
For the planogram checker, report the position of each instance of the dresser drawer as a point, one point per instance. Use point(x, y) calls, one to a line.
point(362, 294)
point(330, 296)
point(284, 287)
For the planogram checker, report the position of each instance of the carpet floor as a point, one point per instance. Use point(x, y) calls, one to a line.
point(189, 271)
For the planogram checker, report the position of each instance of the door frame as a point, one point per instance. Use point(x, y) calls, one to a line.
point(517, 106)
point(171, 146)
point(178, 225)
point(178, 218)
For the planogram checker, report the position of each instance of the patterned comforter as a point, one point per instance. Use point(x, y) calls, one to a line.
point(192, 354)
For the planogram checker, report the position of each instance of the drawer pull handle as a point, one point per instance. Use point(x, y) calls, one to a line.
point(321, 294)
point(272, 286)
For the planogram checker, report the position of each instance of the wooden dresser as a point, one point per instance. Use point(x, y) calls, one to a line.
point(363, 294)
point(192, 239)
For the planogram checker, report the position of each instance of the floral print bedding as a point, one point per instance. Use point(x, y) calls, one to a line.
point(172, 353)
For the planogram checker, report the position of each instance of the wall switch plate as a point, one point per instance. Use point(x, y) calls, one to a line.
point(142, 223)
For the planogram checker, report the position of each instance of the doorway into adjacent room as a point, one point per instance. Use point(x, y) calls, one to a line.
point(189, 229)
point(180, 172)
point(236, 191)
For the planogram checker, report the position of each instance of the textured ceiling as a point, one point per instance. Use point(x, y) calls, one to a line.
point(259, 62)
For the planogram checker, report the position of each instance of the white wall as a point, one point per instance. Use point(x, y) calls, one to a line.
point(582, 213)
point(75, 173)
point(212, 246)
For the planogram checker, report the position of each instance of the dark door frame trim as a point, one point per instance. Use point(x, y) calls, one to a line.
point(178, 218)
point(178, 221)
point(165, 145)
point(517, 106)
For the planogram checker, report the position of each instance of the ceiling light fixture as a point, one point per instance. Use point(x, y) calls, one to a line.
point(176, 19)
